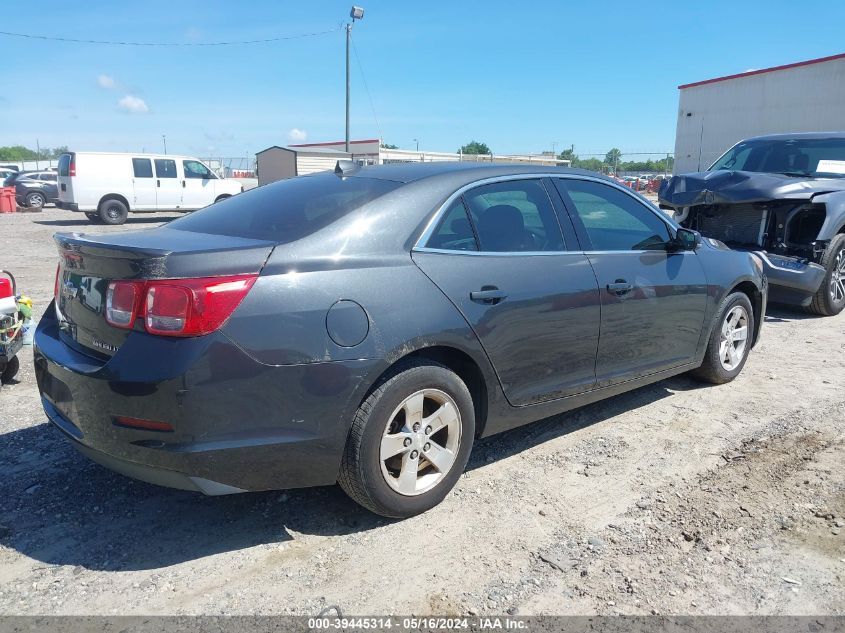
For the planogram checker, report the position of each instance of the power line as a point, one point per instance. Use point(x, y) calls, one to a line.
point(71, 40)
point(366, 87)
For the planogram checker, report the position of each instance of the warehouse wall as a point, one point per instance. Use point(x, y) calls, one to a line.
point(713, 117)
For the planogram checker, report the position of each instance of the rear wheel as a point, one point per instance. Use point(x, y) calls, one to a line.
point(11, 369)
point(35, 200)
point(113, 212)
point(830, 297)
point(410, 441)
point(729, 342)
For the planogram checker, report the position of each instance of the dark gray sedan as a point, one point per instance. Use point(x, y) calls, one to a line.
point(366, 326)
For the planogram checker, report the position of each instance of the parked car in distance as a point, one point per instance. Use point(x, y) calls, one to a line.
point(366, 326)
point(783, 197)
point(6, 173)
point(34, 189)
point(108, 186)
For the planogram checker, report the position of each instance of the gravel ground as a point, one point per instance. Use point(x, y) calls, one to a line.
point(672, 499)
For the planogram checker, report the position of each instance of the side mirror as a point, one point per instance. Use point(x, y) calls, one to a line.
point(687, 240)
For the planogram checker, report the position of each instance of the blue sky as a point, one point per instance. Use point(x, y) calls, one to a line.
point(518, 76)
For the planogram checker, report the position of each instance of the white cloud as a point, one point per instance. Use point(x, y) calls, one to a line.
point(105, 81)
point(133, 104)
point(297, 136)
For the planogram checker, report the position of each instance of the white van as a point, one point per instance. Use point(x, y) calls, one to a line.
point(107, 186)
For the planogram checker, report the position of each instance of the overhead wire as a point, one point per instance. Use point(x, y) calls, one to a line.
point(366, 87)
point(72, 40)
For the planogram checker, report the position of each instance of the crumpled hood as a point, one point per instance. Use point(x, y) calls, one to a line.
point(730, 187)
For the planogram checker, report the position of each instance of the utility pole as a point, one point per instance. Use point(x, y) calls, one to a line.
point(357, 13)
point(164, 140)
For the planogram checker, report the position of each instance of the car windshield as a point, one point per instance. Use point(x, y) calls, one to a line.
point(287, 210)
point(810, 157)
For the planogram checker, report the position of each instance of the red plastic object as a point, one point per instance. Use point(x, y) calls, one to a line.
point(7, 200)
point(5, 288)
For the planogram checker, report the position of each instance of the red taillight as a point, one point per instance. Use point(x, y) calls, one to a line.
point(122, 303)
point(71, 170)
point(177, 307)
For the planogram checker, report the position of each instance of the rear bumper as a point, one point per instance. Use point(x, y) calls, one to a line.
point(69, 206)
point(238, 425)
point(791, 280)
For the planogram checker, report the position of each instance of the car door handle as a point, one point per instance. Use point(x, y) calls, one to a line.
point(183, 184)
point(158, 183)
point(488, 294)
point(620, 287)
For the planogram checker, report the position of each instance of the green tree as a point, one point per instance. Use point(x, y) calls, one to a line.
point(612, 158)
point(474, 147)
point(17, 153)
point(569, 155)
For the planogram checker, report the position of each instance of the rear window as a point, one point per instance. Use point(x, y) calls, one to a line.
point(64, 164)
point(287, 210)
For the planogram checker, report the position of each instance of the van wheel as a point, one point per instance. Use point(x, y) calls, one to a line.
point(410, 441)
point(94, 217)
point(113, 212)
point(35, 200)
point(11, 369)
point(830, 297)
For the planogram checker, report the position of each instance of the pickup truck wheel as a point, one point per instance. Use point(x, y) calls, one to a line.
point(113, 212)
point(830, 297)
point(35, 200)
point(730, 341)
point(410, 441)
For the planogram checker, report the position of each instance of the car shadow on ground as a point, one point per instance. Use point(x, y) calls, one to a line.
point(777, 313)
point(85, 222)
point(62, 509)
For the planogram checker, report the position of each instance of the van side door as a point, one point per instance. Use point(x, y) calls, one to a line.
point(168, 185)
point(143, 184)
point(198, 185)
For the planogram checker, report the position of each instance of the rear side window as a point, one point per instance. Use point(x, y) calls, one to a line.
point(514, 216)
point(48, 177)
point(287, 210)
point(455, 230)
point(143, 168)
point(165, 168)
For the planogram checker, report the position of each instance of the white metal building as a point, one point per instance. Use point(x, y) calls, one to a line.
point(716, 113)
point(276, 163)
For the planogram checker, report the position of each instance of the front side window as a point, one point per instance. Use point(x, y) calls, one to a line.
point(613, 219)
point(454, 233)
point(514, 216)
point(165, 168)
point(142, 167)
point(195, 169)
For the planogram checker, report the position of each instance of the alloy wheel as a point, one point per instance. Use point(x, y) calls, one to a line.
point(36, 200)
point(837, 278)
point(733, 338)
point(113, 211)
point(420, 442)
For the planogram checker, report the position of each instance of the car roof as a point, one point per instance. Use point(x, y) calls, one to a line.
point(797, 135)
point(468, 171)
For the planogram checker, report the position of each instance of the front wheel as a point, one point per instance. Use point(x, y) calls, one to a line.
point(10, 370)
point(410, 441)
point(830, 298)
point(730, 341)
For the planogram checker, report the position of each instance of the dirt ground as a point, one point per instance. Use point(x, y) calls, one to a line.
point(673, 499)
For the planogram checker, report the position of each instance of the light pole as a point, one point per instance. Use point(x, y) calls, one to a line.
point(418, 144)
point(164, 140)
point(357, 13)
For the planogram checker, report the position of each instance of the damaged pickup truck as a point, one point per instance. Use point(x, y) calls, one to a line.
point(782, 197)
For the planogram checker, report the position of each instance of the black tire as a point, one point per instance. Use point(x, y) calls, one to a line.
point(35, 200)
point(93, 217)
point(11, 369)
point(113, 212)
point(826, 303)
point(361, 474)
point(712, 370)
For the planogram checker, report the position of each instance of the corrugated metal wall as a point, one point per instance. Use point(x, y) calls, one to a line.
point(306, 164)
point(713, 117)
